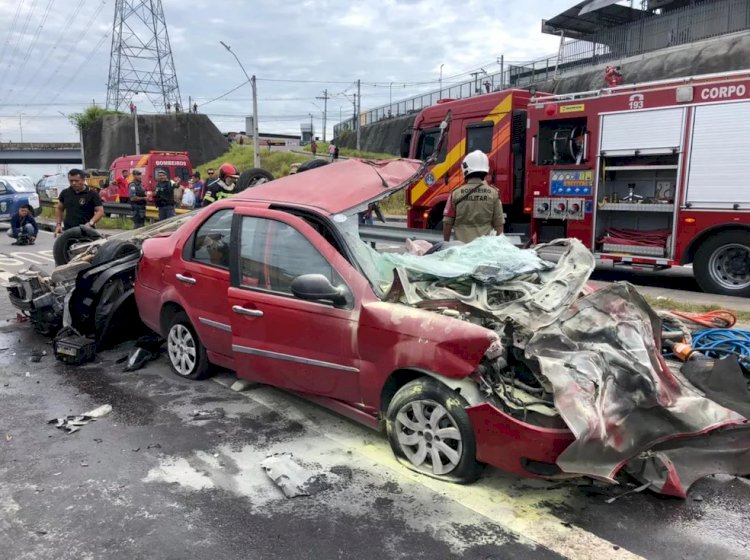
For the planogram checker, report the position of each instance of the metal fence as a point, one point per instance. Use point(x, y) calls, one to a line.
point(702, 20)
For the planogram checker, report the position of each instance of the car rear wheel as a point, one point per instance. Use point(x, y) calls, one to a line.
point(252, 177)
point(430, 432)
point(185, 350)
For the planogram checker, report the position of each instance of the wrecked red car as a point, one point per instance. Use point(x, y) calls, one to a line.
point(479, 353)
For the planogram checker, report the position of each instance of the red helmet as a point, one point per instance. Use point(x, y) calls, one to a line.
point(228, 170)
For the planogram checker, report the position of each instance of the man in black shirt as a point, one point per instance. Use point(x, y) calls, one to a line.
point(164, 196)
point(78, 204)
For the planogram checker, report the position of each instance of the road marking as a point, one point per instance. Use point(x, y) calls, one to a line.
point(522, 511)
point(33, 258)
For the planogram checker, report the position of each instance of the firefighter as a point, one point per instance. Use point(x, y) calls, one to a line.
point(474, 208)
point(224, 187)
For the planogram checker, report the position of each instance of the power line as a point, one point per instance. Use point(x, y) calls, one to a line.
point(10, 34)
point(223, 95)
point(21, 36)
point(33, 43)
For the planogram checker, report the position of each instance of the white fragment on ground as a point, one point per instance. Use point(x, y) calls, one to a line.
point(288, 474)
point(241, 385)
point(100, 411)
point(179, 471)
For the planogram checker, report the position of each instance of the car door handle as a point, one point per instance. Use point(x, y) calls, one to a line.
point(186, 279)
point(249, 312)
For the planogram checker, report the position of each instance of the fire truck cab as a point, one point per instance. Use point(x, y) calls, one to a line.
point(494, 123)
point(651, 175)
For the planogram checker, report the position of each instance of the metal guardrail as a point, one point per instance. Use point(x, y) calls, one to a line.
point(122, 209)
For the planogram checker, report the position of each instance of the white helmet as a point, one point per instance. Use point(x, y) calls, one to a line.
point(476, 162)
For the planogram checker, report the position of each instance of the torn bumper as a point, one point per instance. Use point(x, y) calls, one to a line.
point(515, 446)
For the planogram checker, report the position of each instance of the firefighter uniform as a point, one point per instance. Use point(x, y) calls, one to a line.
point(474, 210)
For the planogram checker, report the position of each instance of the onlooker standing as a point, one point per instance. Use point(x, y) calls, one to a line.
point(197, 187)
point(123, 189)
point(78, 205)
point(138, 198)
point(313, 147)
point(195, 108)
point(335, 152)
point(332, 150)
point(178, 191)
point(164, 196)
point(23, 223)
point(474, 208)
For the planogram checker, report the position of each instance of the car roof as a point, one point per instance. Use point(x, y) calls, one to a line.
point(335, 188)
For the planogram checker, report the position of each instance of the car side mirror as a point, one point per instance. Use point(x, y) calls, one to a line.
point(316, 287)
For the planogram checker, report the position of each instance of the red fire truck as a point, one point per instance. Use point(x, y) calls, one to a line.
point(494, 123)
point(648, 175)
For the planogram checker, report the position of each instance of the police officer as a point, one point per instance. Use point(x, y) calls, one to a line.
point(138, 198)
point(474, 208)
point(224, 187)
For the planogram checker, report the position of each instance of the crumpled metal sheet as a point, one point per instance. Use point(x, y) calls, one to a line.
point(611, 385)
point(673, 466)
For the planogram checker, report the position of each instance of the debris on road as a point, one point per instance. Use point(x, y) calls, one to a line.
point(71, 424)
point(215, 414)
point(146, 349)
point(295, 479)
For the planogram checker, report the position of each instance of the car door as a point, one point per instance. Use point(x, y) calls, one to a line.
point(201, 276)
point(279, 339)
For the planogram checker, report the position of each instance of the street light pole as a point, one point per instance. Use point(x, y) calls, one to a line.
point(20, 125)
point(441, 81)
point(256, 155)
point(312, 130)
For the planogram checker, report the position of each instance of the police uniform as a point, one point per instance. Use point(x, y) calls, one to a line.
point(474, 210)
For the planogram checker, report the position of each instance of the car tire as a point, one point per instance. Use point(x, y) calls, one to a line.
point(430, 431)
point(63, 243)
point(253, 177)
point(112, 250)
point(186, 352)
point(722, 264)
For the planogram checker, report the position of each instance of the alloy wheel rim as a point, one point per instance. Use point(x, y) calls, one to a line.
point(182, 349)
point(429, 437)
point(729, 266)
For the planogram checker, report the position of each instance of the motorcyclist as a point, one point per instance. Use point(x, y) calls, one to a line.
point(224, 187)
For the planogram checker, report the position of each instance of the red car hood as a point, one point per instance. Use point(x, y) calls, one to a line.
point(339, 187)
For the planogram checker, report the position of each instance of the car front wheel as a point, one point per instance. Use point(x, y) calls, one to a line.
point(430, 432)
point(186, 353)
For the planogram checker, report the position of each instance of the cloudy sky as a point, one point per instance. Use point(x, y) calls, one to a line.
point(54, 55)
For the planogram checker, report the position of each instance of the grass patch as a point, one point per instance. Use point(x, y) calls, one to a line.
point(349, 152)
point(277, 163)
point(395, 205)
point(697, 308)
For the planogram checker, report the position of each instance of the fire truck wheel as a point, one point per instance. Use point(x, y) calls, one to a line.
point(722, 264)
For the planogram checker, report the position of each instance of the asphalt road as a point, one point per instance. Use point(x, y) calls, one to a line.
point(14, 258)
point(147, 481)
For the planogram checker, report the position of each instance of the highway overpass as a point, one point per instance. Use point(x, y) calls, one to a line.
point(40, 152)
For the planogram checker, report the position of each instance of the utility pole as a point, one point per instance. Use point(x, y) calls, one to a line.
point(359, 110)
point(135, 127)
point(20, 125)
point(325, 99)
point(256, 149)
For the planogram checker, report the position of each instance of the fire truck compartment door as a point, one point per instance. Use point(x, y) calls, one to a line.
point(649, 132)
point(720, 147)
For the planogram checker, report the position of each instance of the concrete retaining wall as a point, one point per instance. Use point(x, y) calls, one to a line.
point(114, 136)
point(731, 52)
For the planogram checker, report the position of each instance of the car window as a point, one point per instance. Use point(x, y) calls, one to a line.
point(211, 245)
point(3, 188)
point(479, 137)
point(273, 254)
point(428, 139)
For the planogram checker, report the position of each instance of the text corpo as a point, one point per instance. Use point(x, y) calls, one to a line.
point(723, 92)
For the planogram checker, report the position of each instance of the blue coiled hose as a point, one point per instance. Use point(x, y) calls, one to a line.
point(720, 343)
